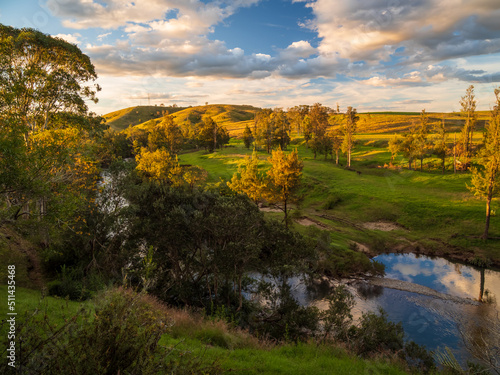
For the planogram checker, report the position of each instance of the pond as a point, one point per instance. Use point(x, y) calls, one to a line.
point(428, 320)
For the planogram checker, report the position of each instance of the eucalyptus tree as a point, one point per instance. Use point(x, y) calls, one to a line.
point(486, 179)
point(349, 129)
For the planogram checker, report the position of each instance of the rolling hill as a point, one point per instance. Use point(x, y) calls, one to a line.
point(236, 117)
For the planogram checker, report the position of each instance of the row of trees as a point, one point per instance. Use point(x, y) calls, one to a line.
point(326, 131)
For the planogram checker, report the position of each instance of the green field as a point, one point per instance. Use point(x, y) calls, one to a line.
point(433, 213)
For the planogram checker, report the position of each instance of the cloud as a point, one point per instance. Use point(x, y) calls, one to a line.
point(70, 38)
point(429, 30)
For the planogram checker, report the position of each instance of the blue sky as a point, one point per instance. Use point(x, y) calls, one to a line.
point(378, 55)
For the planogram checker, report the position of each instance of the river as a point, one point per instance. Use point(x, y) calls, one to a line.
point(436, 320)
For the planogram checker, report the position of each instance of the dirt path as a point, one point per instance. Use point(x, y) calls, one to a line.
point(419, 289)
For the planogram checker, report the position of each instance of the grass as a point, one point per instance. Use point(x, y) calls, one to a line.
point(210, 340)
point(436, 210)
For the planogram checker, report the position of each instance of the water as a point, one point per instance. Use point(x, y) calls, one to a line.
point(428, 321)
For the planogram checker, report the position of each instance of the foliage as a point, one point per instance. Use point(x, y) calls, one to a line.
point(284, 178)
point(486, 181)
point(337, 318)
point(121, 336)
point(159, 166)
point(248, 180)
point(248, 137)
point(211, 136)
point(349, 129)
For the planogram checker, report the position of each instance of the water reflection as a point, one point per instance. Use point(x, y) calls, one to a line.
point(427, 320)
point(442, 275)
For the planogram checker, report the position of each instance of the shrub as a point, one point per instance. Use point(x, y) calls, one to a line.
point(121, 336)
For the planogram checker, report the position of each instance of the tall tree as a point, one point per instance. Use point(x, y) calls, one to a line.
point(349, 129)
point(281, 128)
point(44, 83)
point(421, 135)
point(318, 115)
point(468, 110)
point(486, 180)
point(441, 143)
point(42, 76)
point(284, 178)
point(263, 129)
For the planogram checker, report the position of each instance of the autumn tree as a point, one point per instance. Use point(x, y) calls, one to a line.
point(283, 178)
point(248, 179)
point(159, 166)
point(486, 179)
point(349, 129)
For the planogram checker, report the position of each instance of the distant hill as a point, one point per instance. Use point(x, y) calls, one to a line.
point(123, 118)
point(233, 117)
point(236, 117)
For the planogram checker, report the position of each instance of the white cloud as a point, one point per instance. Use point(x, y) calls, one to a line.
point(70, 38)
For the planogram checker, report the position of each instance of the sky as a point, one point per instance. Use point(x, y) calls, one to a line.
point(373, 55)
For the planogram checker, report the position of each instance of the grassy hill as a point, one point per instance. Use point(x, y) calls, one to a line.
point(236, 117)
point(123, 118)
point(233, 117)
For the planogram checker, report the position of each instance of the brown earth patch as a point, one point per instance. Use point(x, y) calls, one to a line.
point(382, 226)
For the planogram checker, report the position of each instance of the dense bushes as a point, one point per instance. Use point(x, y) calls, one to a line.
point(121, 336)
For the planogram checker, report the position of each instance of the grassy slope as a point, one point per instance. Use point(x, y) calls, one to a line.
point(436, 213)
point(122, 119)
point(211, 340)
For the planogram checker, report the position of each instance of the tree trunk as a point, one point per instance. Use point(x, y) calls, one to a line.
point(337, 157)
point(444, 161)
point(349, 158)
point(286, 214)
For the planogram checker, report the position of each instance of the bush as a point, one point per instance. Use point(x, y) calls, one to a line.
point(121, 336)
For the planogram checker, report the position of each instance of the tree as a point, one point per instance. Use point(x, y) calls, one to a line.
point(318, 116)
point(248, 180)
point(440, 143)
point(247, 136)
point(281, 129)
point(408, 145)
point(42, 76)
point(212, 135)
point(349, 129)
point(284, 178)
point(263, 129)
point(394, 146)
point(420, 139)
point(468, 109)
point(166, 134)
point(159, 166)
point(296, 116)
point(486, 181)
point(44, 118)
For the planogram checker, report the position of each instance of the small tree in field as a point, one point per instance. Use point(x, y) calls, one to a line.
point(486, 180)
point(284, 178)
point(247, 137)
point(351, 118)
